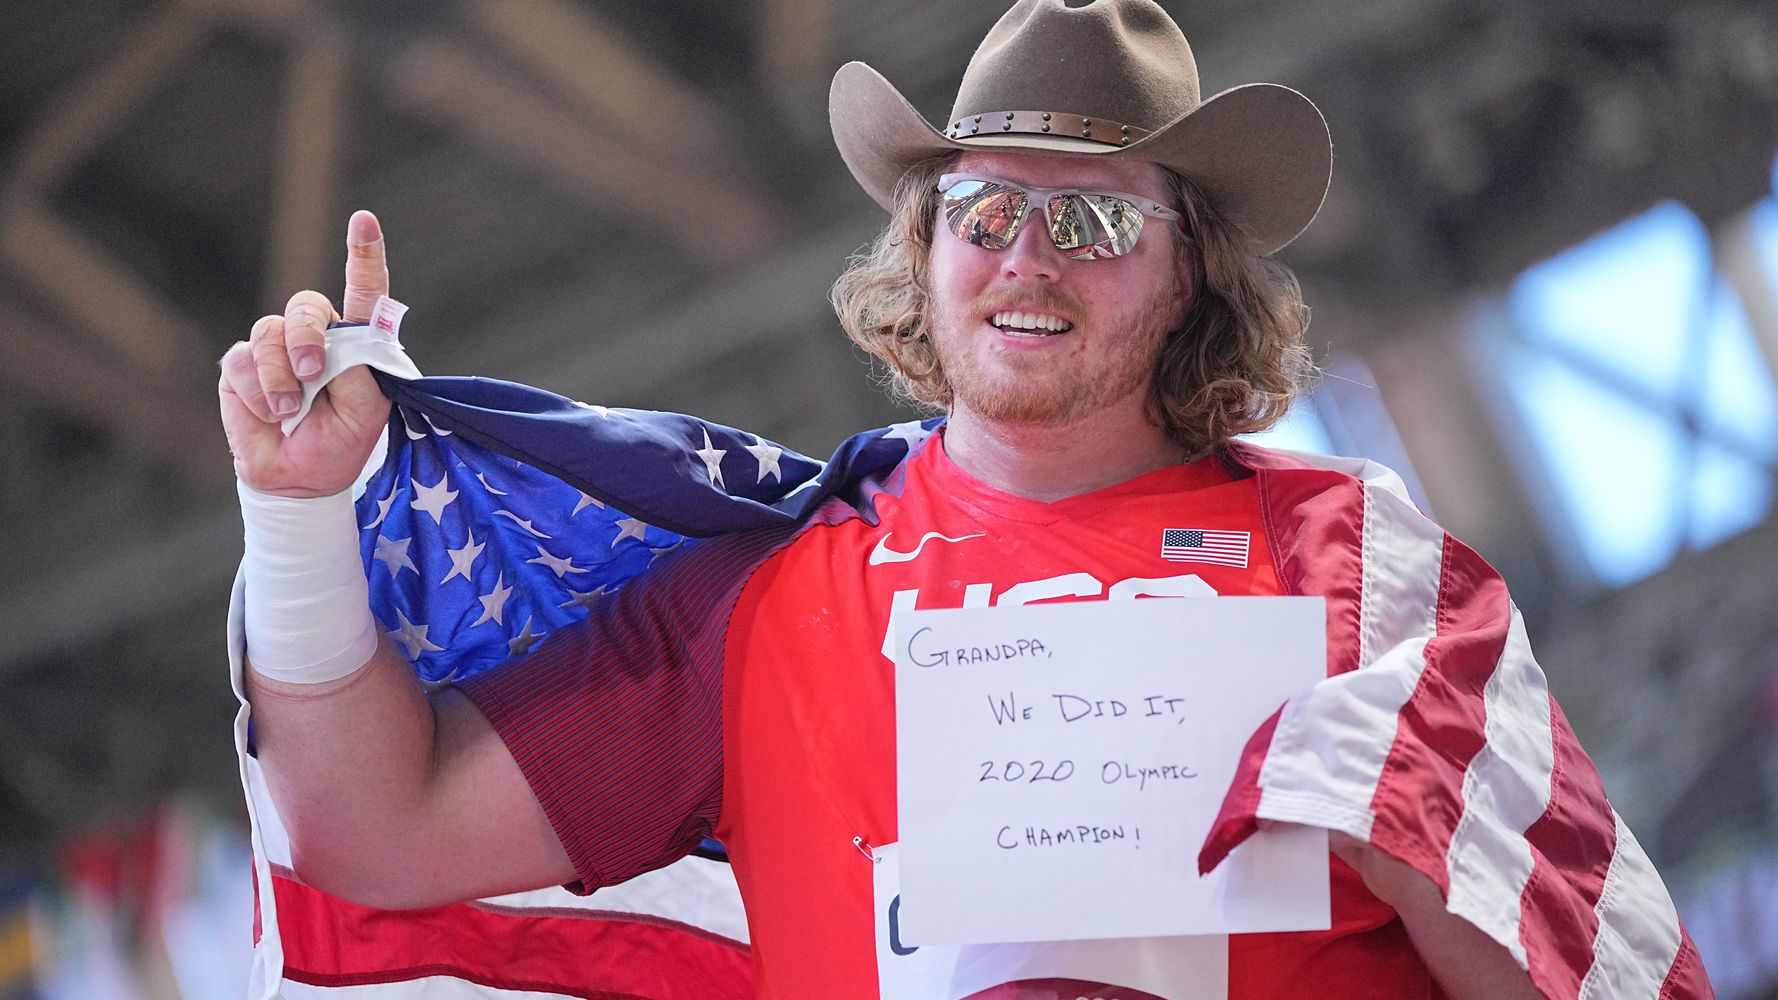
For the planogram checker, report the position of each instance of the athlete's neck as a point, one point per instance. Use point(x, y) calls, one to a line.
point(1048, 463)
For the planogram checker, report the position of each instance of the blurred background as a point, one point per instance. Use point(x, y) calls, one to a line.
point(1545, 287)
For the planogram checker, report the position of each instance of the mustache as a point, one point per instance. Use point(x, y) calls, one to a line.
point(1043, 297)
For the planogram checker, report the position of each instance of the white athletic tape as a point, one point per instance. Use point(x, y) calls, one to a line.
point(307, 609)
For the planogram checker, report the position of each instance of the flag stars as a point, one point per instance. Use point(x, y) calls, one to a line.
point(413, 637)
point(767, 455)
point(582, 598)
point(663, 551)
point(628, 527)
point(393, 554)
point(463, 560)
point(523, 642)
point(562, 567)
point(909, 432)
point(712, 457)
point(521, 522)
point(383, 506)
point(482, 477)
point(435, 498)
point(494, 603)
point(433, 687)
point(585, 502)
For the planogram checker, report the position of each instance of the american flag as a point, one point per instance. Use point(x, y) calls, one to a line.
point(1434, 737)
point(499, 514)
point(1205, 545)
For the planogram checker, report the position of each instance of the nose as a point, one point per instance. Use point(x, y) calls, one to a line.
point(1033, 255)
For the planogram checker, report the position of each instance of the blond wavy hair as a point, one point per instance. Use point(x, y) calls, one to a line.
point(1234, 368)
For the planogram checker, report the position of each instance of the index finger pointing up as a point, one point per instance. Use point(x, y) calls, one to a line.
point(367, 270)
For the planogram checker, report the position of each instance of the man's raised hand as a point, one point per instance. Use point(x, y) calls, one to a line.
point(262, 380)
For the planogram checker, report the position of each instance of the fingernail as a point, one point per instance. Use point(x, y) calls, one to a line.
point(307, 361)
point(285, 403)
point(363, 229)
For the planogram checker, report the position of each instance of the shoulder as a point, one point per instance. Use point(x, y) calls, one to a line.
point(1305, 491)
point(1347, 528)
point(702, 579)
point(1306, 467)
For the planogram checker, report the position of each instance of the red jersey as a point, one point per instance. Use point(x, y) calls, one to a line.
point(745, 691)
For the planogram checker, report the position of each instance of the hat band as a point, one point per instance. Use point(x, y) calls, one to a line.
point(1100, 130)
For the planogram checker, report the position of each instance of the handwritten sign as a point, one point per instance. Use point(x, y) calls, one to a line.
point(1060, 765)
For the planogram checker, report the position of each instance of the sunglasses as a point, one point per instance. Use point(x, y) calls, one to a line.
point(1085, 225)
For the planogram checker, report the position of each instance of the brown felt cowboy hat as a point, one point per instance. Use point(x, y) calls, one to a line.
point(1105, 77)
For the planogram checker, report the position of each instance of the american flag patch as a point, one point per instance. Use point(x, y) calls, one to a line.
point(1203, 545)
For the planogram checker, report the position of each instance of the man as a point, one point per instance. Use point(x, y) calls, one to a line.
point(1075, 271)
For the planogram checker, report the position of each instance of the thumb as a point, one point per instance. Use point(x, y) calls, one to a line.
point(367, 269)
point(357, 400)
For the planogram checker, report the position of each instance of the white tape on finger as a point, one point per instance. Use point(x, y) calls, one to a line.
point(376, 343)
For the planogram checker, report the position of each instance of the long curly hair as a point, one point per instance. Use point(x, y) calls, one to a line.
point(1234, 368)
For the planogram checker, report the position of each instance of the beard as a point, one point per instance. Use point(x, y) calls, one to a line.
point(1034, 389)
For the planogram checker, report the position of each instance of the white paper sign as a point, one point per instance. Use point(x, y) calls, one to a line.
point(1060, 765)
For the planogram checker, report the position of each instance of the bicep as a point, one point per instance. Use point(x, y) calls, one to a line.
point(492, 833)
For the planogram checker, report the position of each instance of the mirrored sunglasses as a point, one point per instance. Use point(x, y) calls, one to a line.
point(1085, 225)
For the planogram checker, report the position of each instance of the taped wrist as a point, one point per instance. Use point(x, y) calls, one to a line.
point(307, 606)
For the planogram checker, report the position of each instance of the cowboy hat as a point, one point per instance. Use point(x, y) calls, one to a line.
point(1105, 77)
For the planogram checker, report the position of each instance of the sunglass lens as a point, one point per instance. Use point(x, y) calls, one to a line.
point(984, 213)
point(1094, 226)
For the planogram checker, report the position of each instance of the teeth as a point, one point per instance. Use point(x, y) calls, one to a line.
point(1023, 321)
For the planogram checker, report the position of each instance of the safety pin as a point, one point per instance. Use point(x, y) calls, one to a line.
point(865, 849)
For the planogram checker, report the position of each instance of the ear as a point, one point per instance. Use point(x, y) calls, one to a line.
point(1187, 263)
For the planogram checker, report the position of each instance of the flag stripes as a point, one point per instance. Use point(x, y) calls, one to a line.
point(1488, 861)
point(1575, 840)
point(1419, 799)
point(1484, 787)
point(1635, 918)
point(1350, 751)
point(559, 951)
point(1687, 973)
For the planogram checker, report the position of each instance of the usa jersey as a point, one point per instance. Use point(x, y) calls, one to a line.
point(744, 690)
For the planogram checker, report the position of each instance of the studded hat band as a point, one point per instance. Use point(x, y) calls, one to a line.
point(1101, 130)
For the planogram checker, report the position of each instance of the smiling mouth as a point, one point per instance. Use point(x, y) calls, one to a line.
point(1025, 324)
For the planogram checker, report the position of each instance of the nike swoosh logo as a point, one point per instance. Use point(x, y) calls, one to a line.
point(884, 554)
